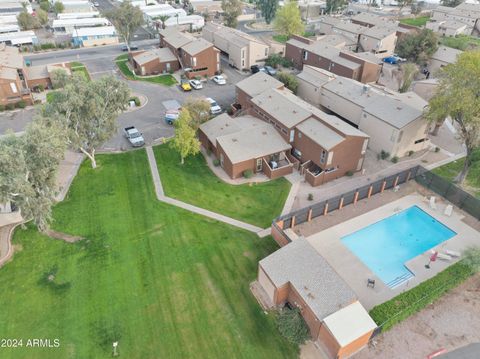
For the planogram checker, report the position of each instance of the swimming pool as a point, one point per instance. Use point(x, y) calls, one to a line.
point(386, 245)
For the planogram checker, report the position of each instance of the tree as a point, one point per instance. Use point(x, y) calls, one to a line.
point(58, 7)
point(28, 168)
point(292, 326)
point(45, 5)
point(457, 97)
point(126, 18)
point(289, 80)
point(407, 74)
point(27, 21)
point(288, 20)
point(335, 5)
point(42, 16)
point(185, 141)
point(89, 109)
point(451, 3)
point(59, 78)
point(268, 9)
point(231, 10)
point(403, 3)
point(471, 257)
point(162, 19)
point(199, 111)
point(418, 47)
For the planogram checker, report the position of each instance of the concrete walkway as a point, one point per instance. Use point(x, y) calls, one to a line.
point(6, 248)
point(204, 212)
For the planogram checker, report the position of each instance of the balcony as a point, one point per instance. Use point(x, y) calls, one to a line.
point(316, 175)
point(277, 166)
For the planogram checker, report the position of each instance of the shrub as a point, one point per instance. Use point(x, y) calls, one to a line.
point(292, 326)
point(275, 59)
point(471, 257)
point(136, 100)
point(289, 80)
point(41, 88)
point(349, 173)
point(437, 149)
point(384, 155)
point(47, 46)
point(45, 6)
point(310, 197)
point(2, 107)
point(407, 303)
point(410, 153)
point(394, 159)
point(216, 162)
point(21, 104)
point(10, 106)
point(248, 173)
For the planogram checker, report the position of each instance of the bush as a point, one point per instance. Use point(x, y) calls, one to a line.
point(384, 155)
point(10, 106)
point(310, 197)
point(410, 302)
point(437, 149)
point(136, 100)
point(48, 46)
point(275, 59)
point(216, 162)
point(45, 6)
point(292, 326)
point(247, 173)
point(21, 104)
point(289, 80)
point(349, 173)
point(410, 153)
point(2, 107)
point(394, 159)
point(41, 88)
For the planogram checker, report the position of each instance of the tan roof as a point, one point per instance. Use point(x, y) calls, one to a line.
point(176, 38)
point(224, 125)
point(37, 72)
point(196, 46)
point(8, 73)
point(10, 57)
point(350, 27)
point(336, 40)
point(372, 19)
point(257, 83)
point(379, 32)
point(233, 36)
point(315, 75)
point(163, 54)
point(320, 133)
point(392, 111)
point(446, 54)
point(254, 139)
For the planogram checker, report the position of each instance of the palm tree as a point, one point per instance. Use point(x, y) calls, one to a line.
point(163, 18)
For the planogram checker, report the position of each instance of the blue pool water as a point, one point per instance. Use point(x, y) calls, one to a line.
point(386, 245)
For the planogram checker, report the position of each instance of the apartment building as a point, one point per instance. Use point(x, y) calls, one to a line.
point(94, 36)
point(152, 62)
point(13, 82)
point(363, 67)
point(442, 57)
point(243, 50)
point(467, 14)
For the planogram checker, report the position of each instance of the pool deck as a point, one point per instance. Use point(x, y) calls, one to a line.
point(328, 243)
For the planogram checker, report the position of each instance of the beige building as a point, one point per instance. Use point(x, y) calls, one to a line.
point(243, 50)
point(13, 80)
point(443, 57)
point(448, 28)
point(468, 14)
point(379, 40)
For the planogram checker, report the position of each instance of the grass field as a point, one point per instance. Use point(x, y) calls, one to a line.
point(121, 61)
point(284, 38)
point(80, 68)
point(195, 183)
point(452, 169)
point(163, 282)
point(461, 42)
point(416, 21)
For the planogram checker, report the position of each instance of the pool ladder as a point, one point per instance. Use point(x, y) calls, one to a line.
point(399, 280)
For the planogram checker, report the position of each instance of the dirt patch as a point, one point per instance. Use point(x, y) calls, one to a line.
point(248, 254)
point(63, 236)
point(451, 322)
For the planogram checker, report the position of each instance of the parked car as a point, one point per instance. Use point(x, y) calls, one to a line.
point(171, 116)
point(96, 4)
point(196, 84)
point(185, 85)
point(390, 60)
point(254, 69)
point(214, 108)
point(132, 48)
point(400, 59)
point(134, 136)
point(219, 80)
point(270, 70)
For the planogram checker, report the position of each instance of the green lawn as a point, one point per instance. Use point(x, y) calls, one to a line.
point(461, 42)
point(80, 68)
point(452, 169)
point(162, 281)
point(284, 38)
point(51, 95)
point(195, 183)
point(121, 61)
point(416, 21)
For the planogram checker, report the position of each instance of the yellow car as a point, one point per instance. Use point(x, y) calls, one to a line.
point(185, 86)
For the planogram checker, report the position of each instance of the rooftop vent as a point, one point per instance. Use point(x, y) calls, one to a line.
point(264, 133)
point(234, 140)
point(399, 107)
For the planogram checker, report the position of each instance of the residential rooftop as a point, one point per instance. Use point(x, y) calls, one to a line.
point(233, 36)
point(163, 54)
point(320, 133)
point(315, 75)
point(225, 125)
point(299, 264)
point(258, 83)
point(176, 38)
point(446, 54)
point(196, 46)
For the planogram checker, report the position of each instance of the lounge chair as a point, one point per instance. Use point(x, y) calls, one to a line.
point(371, 283)
point(444, 256)
point(396, 188)
point(451, 253)
point(432, 203)
point(448, 210)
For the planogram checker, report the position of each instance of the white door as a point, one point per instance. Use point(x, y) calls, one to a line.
point(259, 164)
point(221, 160)
point(360, 164)
point(292, 135)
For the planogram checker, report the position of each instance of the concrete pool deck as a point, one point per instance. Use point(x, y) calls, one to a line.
point(328, 243)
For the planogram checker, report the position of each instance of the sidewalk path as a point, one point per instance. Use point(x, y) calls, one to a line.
point(204, 212)
point(6, 248)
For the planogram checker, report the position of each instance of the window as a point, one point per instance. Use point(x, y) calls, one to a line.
point(305, 55)
point(194, 61)
point(420, 140)
point(393, 135)
point(330, 158)
point(243, 54)
point(296, 153)
point(292, 135)
point(13, 86)
point(364, 146)
point(323, 156)
point(266, 51)
point(284, 130)
point(400, 134)
point(299, 135)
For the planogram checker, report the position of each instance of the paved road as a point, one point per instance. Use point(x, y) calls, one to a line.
point(241, 26)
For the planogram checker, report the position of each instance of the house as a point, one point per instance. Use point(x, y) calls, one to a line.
point(13, 83)
point(156, 11)
point(246, 143)
point(299, 276)
point(196, 56)
point(19, 38)
point(77, 15)
point(70, 26)
point(302, 51)
point(14, 7)
point(394, 121)
point(443, 57)
point(379, 40)
point(40, 75)
point(252, 86)
point(94, 36)
point(77, 6)
point(156, 61)
point(369, 19)
point(186, 23)
point(468, 14)
point(243, 50)
point(310, 82)
point(448, 28)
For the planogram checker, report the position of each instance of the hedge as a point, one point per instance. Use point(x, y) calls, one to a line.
point(410, 302)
